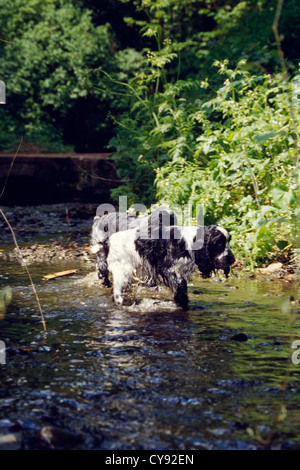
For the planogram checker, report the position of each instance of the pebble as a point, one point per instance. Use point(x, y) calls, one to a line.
point(11, 441)
point(239, 337)
point(58, 438)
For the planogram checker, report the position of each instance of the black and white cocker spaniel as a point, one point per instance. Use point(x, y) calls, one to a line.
point(169, 256)
point(109, 223)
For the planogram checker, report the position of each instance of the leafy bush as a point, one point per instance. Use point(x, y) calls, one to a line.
point(233, 151)
point(244, 162)
point(48, 53)
point(52, 53)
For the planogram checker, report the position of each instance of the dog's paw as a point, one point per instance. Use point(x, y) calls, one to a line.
point(118, 299)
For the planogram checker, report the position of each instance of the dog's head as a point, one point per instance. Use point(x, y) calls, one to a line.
point(215, 252)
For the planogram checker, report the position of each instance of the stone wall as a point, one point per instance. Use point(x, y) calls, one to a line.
point(52, 178)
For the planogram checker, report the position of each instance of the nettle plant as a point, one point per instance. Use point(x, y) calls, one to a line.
point(154, 128)
point(233, 151)
point(244, 164)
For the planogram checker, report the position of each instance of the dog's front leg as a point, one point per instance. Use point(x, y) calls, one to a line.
point(118, 299)
point(121, 277)
point(119, 284)
point(102, 268)
point(180, 294)
point(178, 284)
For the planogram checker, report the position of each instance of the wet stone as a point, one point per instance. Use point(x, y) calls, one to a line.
point(239, 337)
point(10, 441)
point(5, 423)
point(58, 438)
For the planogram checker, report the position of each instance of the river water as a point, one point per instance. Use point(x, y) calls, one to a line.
point(148, 375)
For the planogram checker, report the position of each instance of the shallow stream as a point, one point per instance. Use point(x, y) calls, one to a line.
point(148, 375)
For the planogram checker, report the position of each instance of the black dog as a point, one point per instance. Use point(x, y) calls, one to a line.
point(170, 257)
point(104, 226)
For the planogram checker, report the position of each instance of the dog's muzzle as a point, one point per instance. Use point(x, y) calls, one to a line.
point(224, 261)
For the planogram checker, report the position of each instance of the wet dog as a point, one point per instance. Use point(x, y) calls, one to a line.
point(169, 256)
point(106, 225)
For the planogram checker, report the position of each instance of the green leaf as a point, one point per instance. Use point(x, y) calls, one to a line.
point(263, 138)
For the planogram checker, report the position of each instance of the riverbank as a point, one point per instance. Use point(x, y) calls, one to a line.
point(47, 233)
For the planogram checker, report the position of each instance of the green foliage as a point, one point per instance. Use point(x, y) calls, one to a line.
point(232, 151)
point(49, 52)
point(244, 163)
point(202, 31)
point(52, 52)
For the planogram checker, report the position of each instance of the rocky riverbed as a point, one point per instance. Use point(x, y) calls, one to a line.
point(47, 232)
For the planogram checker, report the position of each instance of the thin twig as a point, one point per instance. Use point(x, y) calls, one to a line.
point(15, 240)
point(8, 42)
point(278, 38)
point(10, 167)
point(26, 269)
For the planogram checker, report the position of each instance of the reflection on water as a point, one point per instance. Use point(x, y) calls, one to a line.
point(148, 375)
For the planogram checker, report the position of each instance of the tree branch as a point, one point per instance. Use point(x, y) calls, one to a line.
point(278, 38)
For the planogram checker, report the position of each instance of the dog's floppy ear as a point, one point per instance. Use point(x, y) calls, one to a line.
point(209, 235)
point(202, 255)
